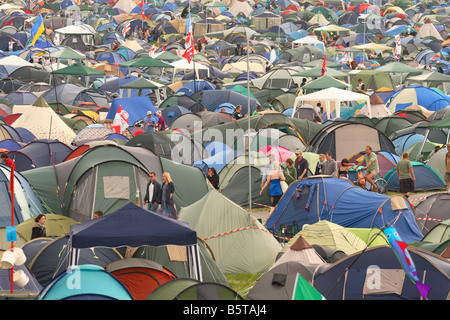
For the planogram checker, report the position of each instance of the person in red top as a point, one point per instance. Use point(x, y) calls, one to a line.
point(161, 122)
point(8, 161)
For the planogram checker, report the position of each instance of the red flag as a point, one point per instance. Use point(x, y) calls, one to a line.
point(120, 121)
point(189, 53)
point(125, 29)
point(164, 48)
point(324, 69)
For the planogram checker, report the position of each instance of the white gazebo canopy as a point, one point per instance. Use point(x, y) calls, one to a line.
point(335, 95)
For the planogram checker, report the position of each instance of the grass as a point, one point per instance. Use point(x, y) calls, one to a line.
point(242, 283)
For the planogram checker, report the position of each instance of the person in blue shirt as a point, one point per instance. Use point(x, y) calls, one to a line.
point(150, 123)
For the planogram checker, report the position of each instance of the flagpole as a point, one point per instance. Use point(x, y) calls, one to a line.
point(248, 130)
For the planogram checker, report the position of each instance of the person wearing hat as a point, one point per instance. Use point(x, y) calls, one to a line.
point(301, 165)
point(150, 123)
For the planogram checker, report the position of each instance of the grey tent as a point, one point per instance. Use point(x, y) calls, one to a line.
point(279, 282)
point(432, 210)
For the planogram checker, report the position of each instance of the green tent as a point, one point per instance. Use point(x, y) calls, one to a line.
point(167, 56)
point(398, 67)
point(317, 72)
point(145, 61)
point(79, 69)
point(373, 79)
point(303, 290)
point(56, 225)
point(372, 237)
point(240, 243)
point(66, 53)
point(324, 82)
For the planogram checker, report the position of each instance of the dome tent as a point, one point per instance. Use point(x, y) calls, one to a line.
point(340, 202)
point(247, 247)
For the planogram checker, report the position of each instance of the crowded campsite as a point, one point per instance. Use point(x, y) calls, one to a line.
point(240, 150)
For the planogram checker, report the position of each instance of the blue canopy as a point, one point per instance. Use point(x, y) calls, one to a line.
point(132, 226)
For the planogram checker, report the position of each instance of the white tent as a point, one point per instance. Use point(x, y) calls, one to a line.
point(44, 123)
point(332, 95)
point(125, 5)
point(12, 63)
point(183, 66)
point(240, 6)
point(309, 41)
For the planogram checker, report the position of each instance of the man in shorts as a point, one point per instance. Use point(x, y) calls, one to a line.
point(406, 175)
point(371, 161)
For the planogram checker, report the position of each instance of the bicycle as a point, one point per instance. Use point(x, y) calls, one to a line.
point(382, 186)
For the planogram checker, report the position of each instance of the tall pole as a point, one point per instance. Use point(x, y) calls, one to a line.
point(248, 130)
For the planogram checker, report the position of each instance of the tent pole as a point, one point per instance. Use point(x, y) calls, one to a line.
point(423, 144)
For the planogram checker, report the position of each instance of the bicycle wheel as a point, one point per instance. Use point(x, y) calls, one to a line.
point(382, 185)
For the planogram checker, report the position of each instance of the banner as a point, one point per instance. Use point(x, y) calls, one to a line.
point(120, 122)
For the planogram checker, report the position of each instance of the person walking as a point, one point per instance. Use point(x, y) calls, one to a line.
point(167, 202)
point(153, 194)
point(274, 183)
point(406, 175)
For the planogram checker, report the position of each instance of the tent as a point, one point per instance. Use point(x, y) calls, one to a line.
point(239, 242)
point(129, 226)
point(431, 211)
point(56, 225)
point(139, 276)
point(416, 95)
point(44, 123)
point(136, 107)
point(188, 289)
point(26, 202)
point(358, 270)
point(94, 283)
point(52, 258)
point(332, 98)
point(345, 138)
point(426, 178)
point(104, 178)
point(339, 201)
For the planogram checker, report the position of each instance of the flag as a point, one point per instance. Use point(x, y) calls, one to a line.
point(304, 291)
point(189, 53)
point(398, 47)
point(125, 29)
point(324, 69)
point(120, 122)
point(37, 29)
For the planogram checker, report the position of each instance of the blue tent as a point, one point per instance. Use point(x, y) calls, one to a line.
point(136, 107)
point(426, 97)
point(171, 113)
point(40, 153)
point(432, 270)
point(194, 86)
point(426, 178)
point(218, 161)
point(339, 201)
point(26, 203)
point(404, 142)
point(115, 84)
point(92, 283)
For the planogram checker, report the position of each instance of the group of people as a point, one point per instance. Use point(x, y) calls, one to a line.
point(159, 197)
point(154, 125)
point(278, 179)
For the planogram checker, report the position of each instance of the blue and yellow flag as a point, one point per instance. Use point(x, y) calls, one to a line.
point(37, 29)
